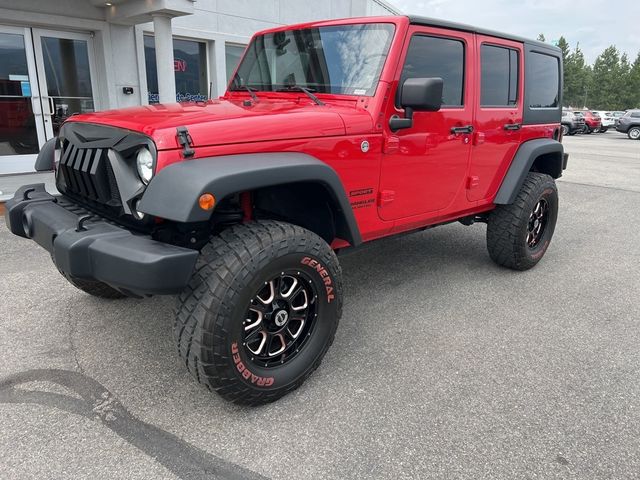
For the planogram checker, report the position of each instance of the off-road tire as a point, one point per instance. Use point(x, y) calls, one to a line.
point(507, 224)
point(211, 312)
point(634, 133)
point(92, 287)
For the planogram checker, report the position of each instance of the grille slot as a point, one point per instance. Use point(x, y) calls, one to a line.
point(87, 173)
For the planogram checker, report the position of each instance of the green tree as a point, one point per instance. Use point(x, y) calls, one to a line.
point(541, 38)
point(633, 81)
point(577, 79)
point(607, 81)
point(563, 45)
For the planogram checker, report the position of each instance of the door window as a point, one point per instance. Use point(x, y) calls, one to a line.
point(68, 78)
point(18, 134)
point(437, 57)
point(499, 83)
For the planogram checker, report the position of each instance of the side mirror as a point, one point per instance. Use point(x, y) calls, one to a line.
point(421, 94)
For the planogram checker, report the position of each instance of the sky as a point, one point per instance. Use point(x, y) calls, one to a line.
point(594, 24)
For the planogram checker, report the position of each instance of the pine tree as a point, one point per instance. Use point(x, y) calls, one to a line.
point(577, 79)
point(606, 79)
point(633, 80)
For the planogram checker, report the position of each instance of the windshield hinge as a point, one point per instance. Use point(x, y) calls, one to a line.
point(185, 141)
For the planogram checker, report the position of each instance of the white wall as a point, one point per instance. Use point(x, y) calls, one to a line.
point(119, 51)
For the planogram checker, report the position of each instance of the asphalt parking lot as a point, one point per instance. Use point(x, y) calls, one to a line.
point(444, 366)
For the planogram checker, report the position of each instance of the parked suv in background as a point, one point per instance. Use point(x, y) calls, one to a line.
point(608, 120)
point(572, 122)
point(630, 124)
point(592, 121)
point(238, 205)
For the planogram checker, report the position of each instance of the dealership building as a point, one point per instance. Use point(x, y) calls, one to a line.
point(60, 57)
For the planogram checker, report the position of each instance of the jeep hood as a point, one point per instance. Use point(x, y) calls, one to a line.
point(222, 122)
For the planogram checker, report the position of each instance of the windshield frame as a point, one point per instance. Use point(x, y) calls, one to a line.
point(234, 87)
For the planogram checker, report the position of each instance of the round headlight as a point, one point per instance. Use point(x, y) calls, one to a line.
point(144, 162)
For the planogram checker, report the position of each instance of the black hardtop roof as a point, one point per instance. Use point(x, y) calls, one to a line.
point(434, 22)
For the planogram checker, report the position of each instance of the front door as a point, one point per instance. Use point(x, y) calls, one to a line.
point(22, 130)
point(65, 74)
point(45, 76)
point(424, 167)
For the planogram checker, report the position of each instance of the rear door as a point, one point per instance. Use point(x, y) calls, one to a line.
point(498, 117)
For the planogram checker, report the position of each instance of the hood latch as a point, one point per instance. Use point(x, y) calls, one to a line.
point(185, 141)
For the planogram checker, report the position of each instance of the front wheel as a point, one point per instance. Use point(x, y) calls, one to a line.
point(565, 130)
point(519, 234)
point(634, 133)
point(260, 311)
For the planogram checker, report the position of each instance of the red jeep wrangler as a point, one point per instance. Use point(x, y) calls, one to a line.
point(331, 134)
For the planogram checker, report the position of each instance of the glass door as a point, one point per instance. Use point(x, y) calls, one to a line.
point(22, 129)
point(66, 75)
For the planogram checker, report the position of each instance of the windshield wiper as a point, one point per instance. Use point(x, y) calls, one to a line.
point(247, 88)
point(298, 88)
point(251, 92)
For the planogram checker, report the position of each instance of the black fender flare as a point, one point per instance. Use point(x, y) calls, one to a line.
point(174, 192)
point(523, 161)
point(46, 157)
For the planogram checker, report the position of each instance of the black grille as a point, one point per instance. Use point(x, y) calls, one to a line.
point(87, 173)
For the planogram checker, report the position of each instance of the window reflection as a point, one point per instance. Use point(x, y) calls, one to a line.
point(68, 75)
point(190, 66)
point(17, 122)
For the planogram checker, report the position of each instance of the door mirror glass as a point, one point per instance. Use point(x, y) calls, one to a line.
point(422, 94)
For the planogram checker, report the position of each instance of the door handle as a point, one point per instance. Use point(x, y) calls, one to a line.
point(512, 126)
point(459, 130)
point(52, 106)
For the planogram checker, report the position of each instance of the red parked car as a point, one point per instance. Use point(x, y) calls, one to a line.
point(593, 122)
point(331, 134)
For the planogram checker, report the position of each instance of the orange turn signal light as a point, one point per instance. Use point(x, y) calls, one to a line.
point(207, 202)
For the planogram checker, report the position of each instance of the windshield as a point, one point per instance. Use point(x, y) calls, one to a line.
point(344, 59)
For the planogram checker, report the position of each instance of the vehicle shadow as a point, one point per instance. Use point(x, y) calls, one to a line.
point(93, 401)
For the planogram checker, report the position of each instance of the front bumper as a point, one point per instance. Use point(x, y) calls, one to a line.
point(94, 249)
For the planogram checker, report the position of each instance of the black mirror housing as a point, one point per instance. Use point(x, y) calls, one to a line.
point(422, 94)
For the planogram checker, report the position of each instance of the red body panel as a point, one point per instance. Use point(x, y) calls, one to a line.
point(412, 178)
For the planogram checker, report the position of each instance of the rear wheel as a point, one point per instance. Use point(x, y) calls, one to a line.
point(260, 311)
point(634, 133)
point(519, 234)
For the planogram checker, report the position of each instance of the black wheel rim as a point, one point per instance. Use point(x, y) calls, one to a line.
point(280, 319)
point(537, 223)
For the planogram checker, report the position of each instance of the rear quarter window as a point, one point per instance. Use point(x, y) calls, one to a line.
point(542, 84)
point(544, 81)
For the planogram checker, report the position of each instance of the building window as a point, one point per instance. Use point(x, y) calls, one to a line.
point(544, 84)
point(499, 84)
point(233, 54)
point(190, 65)
point(437, 57)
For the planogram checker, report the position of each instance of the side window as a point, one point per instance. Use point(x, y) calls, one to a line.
point(635, 115)
point(544, 84)
point(499, 82)
point(437, 57)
